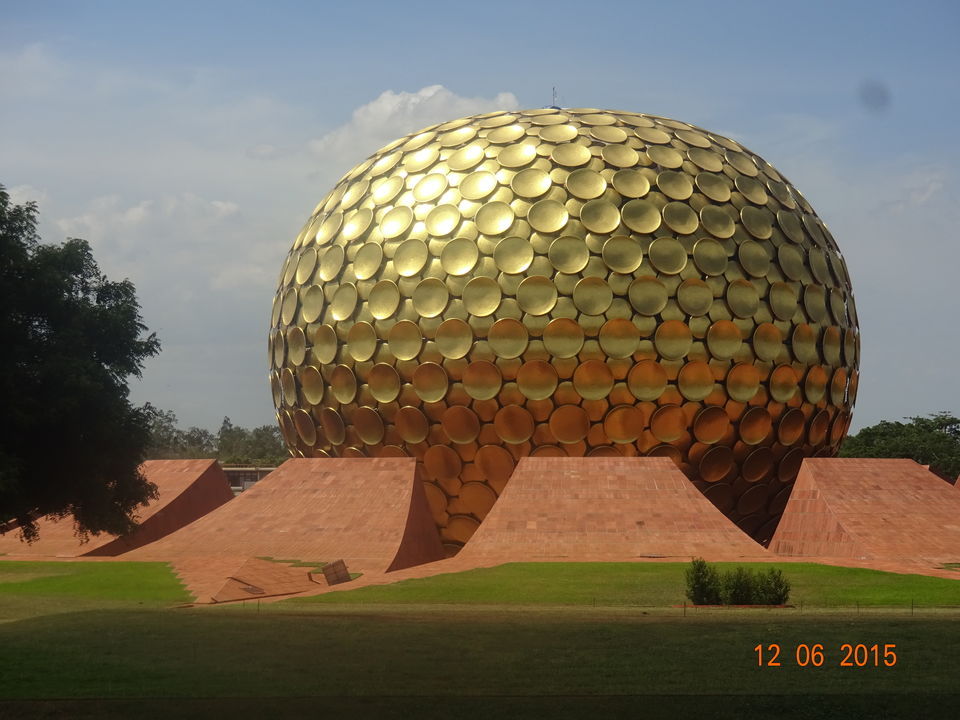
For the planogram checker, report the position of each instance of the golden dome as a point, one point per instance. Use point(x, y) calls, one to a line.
point(567, 282)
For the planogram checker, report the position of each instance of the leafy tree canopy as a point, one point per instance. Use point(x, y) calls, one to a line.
point(70, 441)
point(232, 445)
point(933, 440)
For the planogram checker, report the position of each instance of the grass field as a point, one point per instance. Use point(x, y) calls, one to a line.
point(652, 584)
point(515, 641)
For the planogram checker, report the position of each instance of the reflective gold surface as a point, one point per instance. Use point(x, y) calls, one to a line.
point(567, 282)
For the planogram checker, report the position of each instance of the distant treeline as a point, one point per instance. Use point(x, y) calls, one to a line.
point(231, 445)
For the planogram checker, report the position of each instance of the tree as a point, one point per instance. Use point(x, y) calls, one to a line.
point(232, 445)
point(70, 441)
point(169, 441)
point(260, 446)
point(932, 440)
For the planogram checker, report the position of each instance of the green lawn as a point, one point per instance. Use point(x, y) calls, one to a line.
point(648, 584)
point(102, 640)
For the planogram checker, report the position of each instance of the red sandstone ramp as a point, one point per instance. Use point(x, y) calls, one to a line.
point(603, 509)
point(188, 489)
point(870, 509)
point(372, 513)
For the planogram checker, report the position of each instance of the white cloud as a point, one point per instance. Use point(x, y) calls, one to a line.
point(21, 194)
point(394, 114)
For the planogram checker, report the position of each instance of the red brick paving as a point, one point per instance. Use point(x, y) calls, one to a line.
point(371, 513)
point(188, 489)
point(889, 513)
point(604, 509)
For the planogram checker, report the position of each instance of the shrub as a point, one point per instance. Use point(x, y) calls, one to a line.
point(741, 586)
point(738, 587)
point(772, 588)
point(703, 583)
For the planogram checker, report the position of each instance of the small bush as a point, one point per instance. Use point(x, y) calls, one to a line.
point(772, 588)
point(703, 583)
point(738, 587)
point(741, 586)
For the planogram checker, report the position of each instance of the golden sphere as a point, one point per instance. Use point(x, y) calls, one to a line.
point(567, 282)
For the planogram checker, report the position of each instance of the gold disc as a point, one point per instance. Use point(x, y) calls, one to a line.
point(481, 296)
point(647, 380)
point(343, 384)
point(622, 254)
point(531, 183)
point(667, 255)
point(724, 339)
point(647, 295)
point(368, 424)
point(568, 254)
point(694, 297)
point(442, 462)
point(312, 306)
point(454, 338)
point(743, 382)
point(461, 424)
point(412, 425)
point(680, 218)
point(410, 257)
point(362, 341)
point(430, 187)
point(344, 301)
point(366, 263)
point(710, 257)
point(755, 425)
point(592, 296)
point(405, 340)
point(396, 222)
point(569, 424)
point(673, 339)
point(459, 256)
point(331, 263)
point(536, 295)
point(384, 383)
point(513, 255)
point(668, 423)
point(494, 218)
point(695, 380)
point(430, 297)
point(570, 155)
point(311, 383)
point(562, 337)
point(537, 379)
point(430, 382)
point(767, 342)
point(618, 338)
point(442, 220)
point(783, 383)
point(325, 345)
point(716, 221)
point(675, 185)
point(624, 424)
point(742, 298)
point(508, 338)
point(495, 463)
point(631, 184)
point(600, 216)
point(548, 216)
point(711, 425)
point(384, 299)
point(716, 464)
point(585, 184)
point(593, 380)
point(482, 380)
point(478, 185)
point(513, 424)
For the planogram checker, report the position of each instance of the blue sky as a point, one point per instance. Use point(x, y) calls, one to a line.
point(188, 142)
